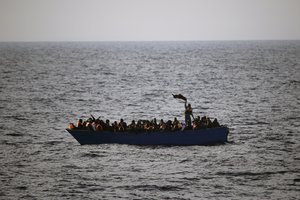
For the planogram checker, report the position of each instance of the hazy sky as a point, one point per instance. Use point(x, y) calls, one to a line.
point(101, 20)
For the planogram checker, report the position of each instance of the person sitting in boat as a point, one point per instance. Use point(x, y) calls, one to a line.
point(176, 125)
point(168, 126)
point(132, 126)
point(106, 126)
point(79, 124)
point(188, 113)
point(215, 123)
point(89, 126)
point(162, 125)
point(154, 124)
point(71, 126)
point(196, 123)
point(94, 124)
point(203, 122)
point(99, 127)
point(209, 123)
point(122, 126)
point(148, 127)
point(115, 127)
point(139, 126)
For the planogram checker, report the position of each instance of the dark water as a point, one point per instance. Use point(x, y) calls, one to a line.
point(253, 87)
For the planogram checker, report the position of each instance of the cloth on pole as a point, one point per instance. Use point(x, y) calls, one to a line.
point(179, 96)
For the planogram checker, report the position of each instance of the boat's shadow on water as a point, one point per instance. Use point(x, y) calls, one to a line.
point(179, 146)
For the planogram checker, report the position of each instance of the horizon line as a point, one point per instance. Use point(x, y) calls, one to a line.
point(221, 40)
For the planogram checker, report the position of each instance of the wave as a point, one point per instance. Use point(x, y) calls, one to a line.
point(147, 187)
point(15, 134)
point(250, 173)
point(92, 155)
point(55, 142)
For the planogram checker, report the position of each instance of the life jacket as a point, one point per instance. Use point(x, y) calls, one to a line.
point(99, 127)
point(71, 126)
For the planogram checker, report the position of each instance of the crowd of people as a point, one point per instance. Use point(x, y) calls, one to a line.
point(144, 125)
point(149, 125)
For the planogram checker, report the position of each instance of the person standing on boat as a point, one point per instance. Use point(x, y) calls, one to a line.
point(188, 113)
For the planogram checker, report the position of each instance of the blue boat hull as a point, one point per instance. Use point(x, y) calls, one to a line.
point(189, 137)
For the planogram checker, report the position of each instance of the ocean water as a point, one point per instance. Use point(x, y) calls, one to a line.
point(251, 86)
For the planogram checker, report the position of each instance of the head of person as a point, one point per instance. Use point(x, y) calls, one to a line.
point(79, 122)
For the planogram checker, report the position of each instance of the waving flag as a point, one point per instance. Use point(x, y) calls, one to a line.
point(179, 96)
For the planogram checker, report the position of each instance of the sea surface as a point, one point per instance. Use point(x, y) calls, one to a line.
point(253, 87)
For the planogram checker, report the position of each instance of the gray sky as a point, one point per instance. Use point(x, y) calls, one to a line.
point(135, 20)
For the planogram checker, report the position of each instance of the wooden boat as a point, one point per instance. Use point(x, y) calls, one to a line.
point(207, 136)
